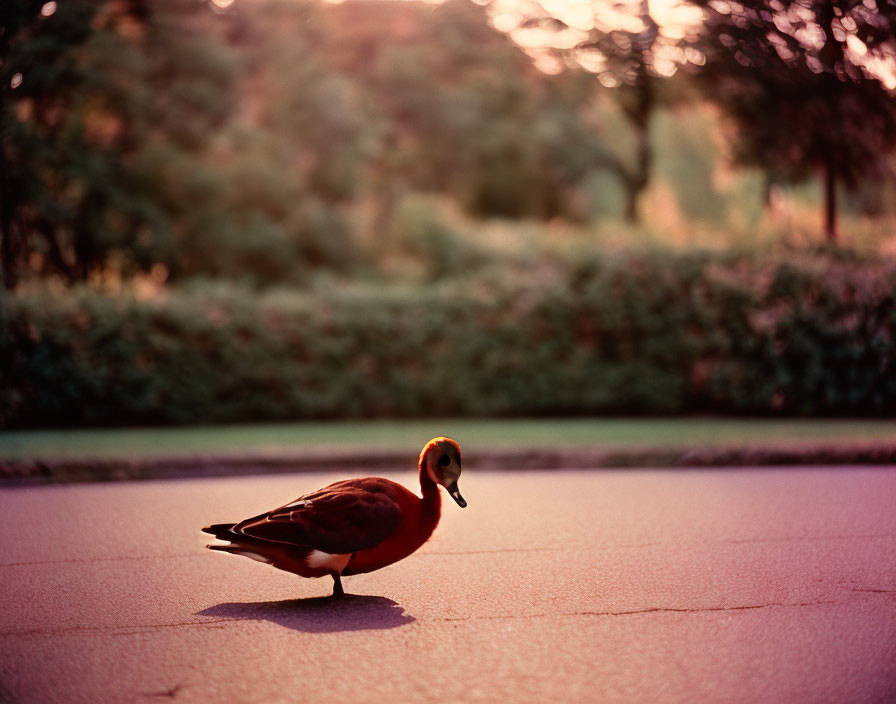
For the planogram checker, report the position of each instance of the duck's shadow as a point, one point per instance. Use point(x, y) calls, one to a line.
point(319, 614)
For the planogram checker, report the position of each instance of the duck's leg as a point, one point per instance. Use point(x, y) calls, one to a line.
point(338, 591)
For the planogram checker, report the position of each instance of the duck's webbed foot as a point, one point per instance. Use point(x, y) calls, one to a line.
point(338, 591)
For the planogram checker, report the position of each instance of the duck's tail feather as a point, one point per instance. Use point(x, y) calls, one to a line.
point(234, 544)
point(244, 550)
point(219, 530)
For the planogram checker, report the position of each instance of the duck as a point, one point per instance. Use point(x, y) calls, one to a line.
point(349, 527)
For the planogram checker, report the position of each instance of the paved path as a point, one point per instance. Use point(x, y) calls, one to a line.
point(672, 586)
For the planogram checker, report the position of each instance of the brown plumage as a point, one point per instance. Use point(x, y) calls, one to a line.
point(352, 526)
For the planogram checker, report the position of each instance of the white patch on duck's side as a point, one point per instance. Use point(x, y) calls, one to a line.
point(300, 502)
point(319, 560)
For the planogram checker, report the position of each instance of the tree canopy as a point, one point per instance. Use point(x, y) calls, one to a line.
point(163, 132)
point(265, 140)
point(809, 83)
point(628, 51)
point(89, 93)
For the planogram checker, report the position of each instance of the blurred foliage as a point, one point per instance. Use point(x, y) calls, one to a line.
point(274, 139)
point(625, 58)
point(425, 233)
point(293, 210)
point(802, 80)
point(236, 143)
point(808, 83)
point(89, 93)
point(655, 332)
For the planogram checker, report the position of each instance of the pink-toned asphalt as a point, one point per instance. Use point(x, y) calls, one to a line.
point(674, 586)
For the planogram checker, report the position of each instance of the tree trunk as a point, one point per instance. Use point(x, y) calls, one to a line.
point(639, 177)
point(8, 249)
point(767, 185)
point(8, 261)
point(631, 204)
point(639, 112)
point(830, 203)
point(829, 54)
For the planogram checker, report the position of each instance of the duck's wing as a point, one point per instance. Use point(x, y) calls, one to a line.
point(342, 518)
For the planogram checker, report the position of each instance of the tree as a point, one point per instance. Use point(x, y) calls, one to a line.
point(810, 85)
point(628, 50)
point(87, 89)
point(453, 107)
point(37, 81)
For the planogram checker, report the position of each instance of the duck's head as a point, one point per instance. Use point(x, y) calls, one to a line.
point(440, 459)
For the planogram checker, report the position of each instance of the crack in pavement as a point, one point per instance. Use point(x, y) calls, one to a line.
point(872, 590)
point(669, 609)
point(101, 559)
point(166, 693)
point(115, 630)
point(149, 629)
point(212, 623)
point(804, 538)
point(653, 610)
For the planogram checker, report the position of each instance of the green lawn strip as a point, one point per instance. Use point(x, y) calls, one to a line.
point(473, 434)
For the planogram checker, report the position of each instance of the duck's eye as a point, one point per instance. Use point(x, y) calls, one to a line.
point(444, 461)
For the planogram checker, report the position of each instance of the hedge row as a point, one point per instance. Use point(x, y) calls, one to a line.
point(653, 333)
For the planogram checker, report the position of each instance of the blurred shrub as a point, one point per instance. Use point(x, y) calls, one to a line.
point(323, 237)
point(422, 230)
point(635, 333)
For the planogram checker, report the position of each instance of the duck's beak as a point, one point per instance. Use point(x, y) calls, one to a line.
point(455, 494)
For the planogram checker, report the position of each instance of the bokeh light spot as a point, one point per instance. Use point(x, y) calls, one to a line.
point(159, 273)
point(48, 8)
point(609, 80)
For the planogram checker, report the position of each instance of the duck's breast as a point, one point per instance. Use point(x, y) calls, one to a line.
point(415, 528)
